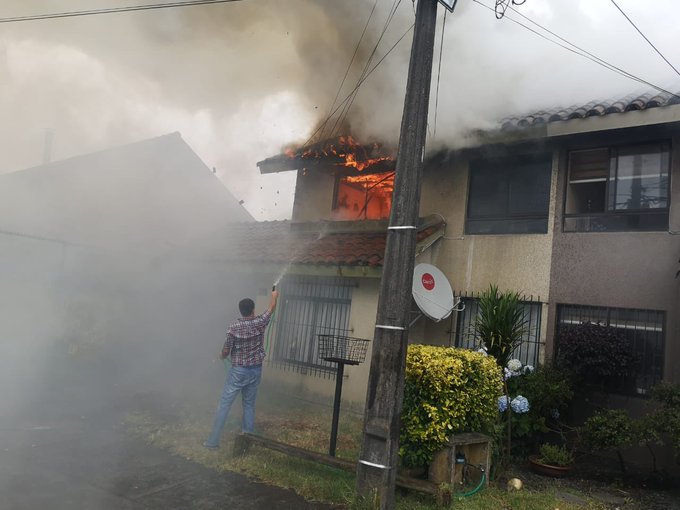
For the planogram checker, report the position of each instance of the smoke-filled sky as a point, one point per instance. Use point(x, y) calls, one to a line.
point(240, 80)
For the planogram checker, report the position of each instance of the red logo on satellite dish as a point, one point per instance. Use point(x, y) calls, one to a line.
point(428, 281)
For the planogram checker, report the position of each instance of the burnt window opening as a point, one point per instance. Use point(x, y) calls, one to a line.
point(509, 195)
point(363, 196)
point(618, 189)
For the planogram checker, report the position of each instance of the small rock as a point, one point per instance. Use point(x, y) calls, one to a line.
point(515, 484)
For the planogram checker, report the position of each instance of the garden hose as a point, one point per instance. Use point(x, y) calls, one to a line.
point(482, 479)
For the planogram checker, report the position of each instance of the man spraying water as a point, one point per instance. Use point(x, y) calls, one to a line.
point(245, 347)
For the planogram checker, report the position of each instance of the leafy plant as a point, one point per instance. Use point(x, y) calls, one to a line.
point(446, 391)
point(595, 354)
point(610, 430)
point(664, 421)
point(500, 324)
point(555, 455)
point(549, 390)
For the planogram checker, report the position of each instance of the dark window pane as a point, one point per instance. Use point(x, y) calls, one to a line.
point(642, 178)
point(488, 191)
point(509, 195)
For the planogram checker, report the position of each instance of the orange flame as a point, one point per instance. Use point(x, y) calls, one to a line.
point(344, 151)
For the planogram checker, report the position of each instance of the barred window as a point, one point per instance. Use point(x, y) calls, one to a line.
point(309, 307)
point(644, 329)
point(527, 351)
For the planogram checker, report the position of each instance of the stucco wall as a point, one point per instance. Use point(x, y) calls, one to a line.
point(313, 195)
point(361, 325)
point(619, 269)
point(472, 262)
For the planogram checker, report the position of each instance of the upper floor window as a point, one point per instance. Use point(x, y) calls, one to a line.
point(618, 188)
point(509, 195)
point(363, 196)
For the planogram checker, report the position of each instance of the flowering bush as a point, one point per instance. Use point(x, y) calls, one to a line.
point(520, 404)
point(537, 397)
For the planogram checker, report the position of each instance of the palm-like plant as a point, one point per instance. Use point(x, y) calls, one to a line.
point(500, 324)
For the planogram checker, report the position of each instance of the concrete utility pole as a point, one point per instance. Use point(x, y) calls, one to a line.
point(377, 468)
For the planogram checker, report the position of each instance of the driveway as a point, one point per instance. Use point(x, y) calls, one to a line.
point(84, 460)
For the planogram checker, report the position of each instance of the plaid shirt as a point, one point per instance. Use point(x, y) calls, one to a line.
point(245, 340)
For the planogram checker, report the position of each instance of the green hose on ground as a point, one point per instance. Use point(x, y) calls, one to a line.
point(476, 489)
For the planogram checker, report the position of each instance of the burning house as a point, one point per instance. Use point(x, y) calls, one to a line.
point(573, 208)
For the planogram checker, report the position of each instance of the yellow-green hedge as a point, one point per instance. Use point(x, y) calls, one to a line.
point(447, 391)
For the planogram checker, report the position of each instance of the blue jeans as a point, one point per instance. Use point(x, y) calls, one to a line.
point(243, 379)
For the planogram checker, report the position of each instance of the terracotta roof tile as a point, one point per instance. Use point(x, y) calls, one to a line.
point(283, 242)
point(592, 109)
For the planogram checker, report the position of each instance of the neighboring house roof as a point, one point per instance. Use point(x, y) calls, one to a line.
point(153, 191)
point(343, 243)
point(629, 103)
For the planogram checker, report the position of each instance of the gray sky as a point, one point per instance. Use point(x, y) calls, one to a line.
point(243, 79)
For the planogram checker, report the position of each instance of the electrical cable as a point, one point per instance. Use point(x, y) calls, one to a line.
point(645, 37)
point(582, 52)
point(363, 80)
point(341, 118)
point(349, 66)
point(113, 10)
point(590, 55)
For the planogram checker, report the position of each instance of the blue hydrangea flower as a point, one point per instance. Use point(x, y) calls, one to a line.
point(520, 404)
point(502, 403)
point(555, 414)
point(528, 369)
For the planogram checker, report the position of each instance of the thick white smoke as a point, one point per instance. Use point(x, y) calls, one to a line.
point(241, 80)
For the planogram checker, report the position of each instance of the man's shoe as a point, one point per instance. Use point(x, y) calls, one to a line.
point(210, 446)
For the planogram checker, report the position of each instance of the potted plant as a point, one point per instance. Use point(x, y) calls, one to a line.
point(552, 460)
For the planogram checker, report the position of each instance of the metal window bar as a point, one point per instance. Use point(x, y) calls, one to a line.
point(527, 351)
point(644, 329)
point(309, 307)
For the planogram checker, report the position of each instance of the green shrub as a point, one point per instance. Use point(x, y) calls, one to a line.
point(666, 418)
point(554, 455)
point(500, 324)
point(446, 391)
point(610, 430)
point(596, 355)
point(549, 392)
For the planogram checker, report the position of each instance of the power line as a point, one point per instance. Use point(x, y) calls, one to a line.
point(645, 37)
point(361, 81)
point(579, 51)
point(341, 118)
point(349, 66)
point(112, 10)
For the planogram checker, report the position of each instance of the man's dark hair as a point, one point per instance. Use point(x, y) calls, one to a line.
point(246, 307)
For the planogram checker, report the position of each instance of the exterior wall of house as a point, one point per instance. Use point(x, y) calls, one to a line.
point(619, 269)
point(361, 325)
point(314, 191)
point(517, 262)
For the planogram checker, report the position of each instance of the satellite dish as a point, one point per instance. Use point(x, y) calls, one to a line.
point(432, 292)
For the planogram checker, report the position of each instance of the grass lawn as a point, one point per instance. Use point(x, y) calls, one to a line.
point(307, 425)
